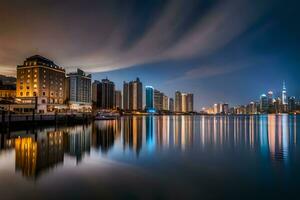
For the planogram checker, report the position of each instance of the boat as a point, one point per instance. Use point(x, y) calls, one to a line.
point(107, 116)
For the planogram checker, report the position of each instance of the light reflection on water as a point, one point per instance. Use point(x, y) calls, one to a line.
point(140, 141)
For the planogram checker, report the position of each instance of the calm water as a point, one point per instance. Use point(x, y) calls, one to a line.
point(207, 157)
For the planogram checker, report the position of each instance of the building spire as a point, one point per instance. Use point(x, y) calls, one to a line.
point(284, 88)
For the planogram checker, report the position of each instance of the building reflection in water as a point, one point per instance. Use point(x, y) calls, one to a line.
point(133, 133)
point(274, 136)
point(35, 156)
point(105, 133)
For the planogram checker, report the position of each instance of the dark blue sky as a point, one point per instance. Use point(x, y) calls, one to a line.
point(221, 50)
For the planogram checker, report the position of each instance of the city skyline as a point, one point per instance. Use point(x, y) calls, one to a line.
point(200, 46)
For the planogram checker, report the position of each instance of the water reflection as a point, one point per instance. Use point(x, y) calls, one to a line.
point(273, 137)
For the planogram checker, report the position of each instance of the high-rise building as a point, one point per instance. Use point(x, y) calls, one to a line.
point(118, 99)
point(135, 95)
point(171, 105)
point(292, 104)
point(264, 106)
point(284, 95)
point(158, 100)
point(125, 96)
point(103, 94)
point(183, 102)
point(149, 98)
point(190, 102)
point(97, 94)
point(225, 108)
point(41, 82)
point(79, 89)
point(108, 94)
point(165, 103)
point(178, 102)
point(278, 105)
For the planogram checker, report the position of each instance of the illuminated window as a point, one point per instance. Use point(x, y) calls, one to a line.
point(35, 86)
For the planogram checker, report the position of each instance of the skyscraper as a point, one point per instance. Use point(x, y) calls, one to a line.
point(190, 102)
point(171, 105)
point(284, 95)
point(178, 102)
point(149, 98)
point(108, 94)
point(118, 99)
point(96, 93)
point(264, 107)
point(135, 95)
point(291, 104)
point(158, 100)
point(183, 102)
point(125, 96)
point(165, 103)
point(41, 79)
point(79, 87)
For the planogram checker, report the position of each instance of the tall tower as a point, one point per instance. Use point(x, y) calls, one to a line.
point(284, 95)
point(149, 98)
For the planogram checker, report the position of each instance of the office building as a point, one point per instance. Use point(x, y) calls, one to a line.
point(134, 90)
point(165, 103)
point(41, 82)
point(190, 102)
point(149, 98)
point(158, 100)
point(178, 102)
point(96, 94)
point(284, 95)
point(264, 106)
point(171, 105)
point(125, 96)
point(118, 100)
point(183, 102)
point(291, 104)
point(79, 92)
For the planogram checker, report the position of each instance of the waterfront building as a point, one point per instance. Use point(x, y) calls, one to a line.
point(7, 91)
point(96, 94)
point(264, 106)
point(252, 108)
point(278, 105)
point(291, 104)
point(79, 92)
point(190, 102)
point(183, 102)
point(158, 100)
point(135, 95)
point(149, 98)
point(125, 96)
point(118, 99)
point(165, 103)
point(103, 94)
point(284, 95)
point(225, 108)
point(270, 102)
point(41, 83)
point(171, 105)
point(178, 102)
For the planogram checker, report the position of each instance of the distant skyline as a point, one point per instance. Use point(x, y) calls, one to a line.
point(222, 51)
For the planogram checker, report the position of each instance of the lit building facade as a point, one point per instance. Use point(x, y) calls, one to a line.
point(41, 82)
point(149, 98)
point(136, 95)
point(178, 102)
point(264, 106)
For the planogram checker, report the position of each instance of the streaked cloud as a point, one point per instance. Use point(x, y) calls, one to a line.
point(93, 36)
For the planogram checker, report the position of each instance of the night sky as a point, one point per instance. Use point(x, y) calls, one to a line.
point(222, 51)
